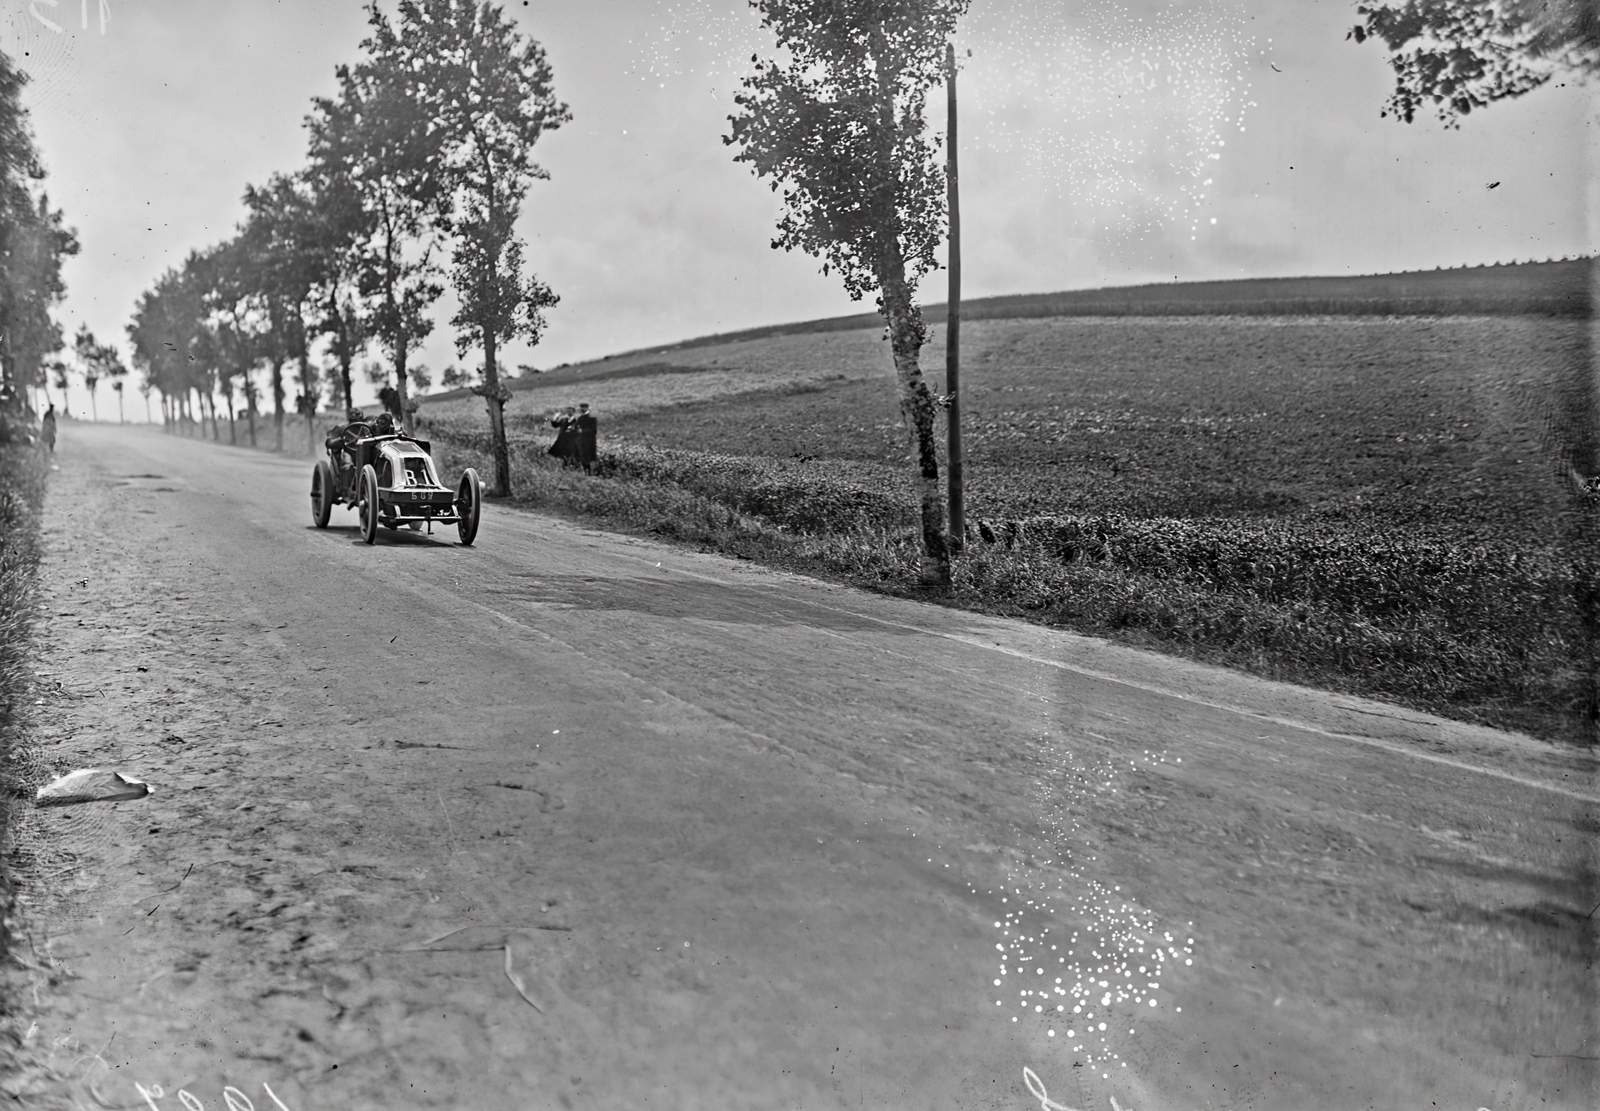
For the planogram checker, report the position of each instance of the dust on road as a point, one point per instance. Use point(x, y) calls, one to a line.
point(571, 819)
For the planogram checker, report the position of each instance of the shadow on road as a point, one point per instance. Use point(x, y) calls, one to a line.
point(403, 538)
point(685, 598)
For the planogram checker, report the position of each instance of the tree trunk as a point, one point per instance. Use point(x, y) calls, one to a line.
point(233, 431)
point(344, 350)
point(344, 371)
point(250, 406)
point(277, 401)
point(907, 333)
point(494, 398)
point(400, 382)
point(344, 380)
point(311, 406)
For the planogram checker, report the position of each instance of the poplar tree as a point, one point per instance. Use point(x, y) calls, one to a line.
point(289, 260)
point(33, 242)
point(837, 121)
point(489, 94)
point(375, 148)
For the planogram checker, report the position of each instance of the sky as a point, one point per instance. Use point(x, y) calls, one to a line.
point(1101, 144)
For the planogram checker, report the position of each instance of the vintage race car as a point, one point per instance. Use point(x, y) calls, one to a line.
point(391, 481)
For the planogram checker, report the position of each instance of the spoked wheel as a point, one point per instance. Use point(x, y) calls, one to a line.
point(469, 502)
point(369, 504)
point(321, 495)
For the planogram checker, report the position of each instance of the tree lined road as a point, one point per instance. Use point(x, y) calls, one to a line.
point(715, 836)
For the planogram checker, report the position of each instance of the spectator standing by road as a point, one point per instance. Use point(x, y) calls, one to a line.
point(47, 428)
point(587, 432)
point(566, 446)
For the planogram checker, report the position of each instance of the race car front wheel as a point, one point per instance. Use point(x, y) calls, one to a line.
point(369, 504)
point(469, 502)
point(321, 495)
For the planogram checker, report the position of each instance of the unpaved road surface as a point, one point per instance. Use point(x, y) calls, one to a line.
point(717, 837)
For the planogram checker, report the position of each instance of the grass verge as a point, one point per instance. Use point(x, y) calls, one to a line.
point(1493, 633)
point(22, 480)
point(23, 467)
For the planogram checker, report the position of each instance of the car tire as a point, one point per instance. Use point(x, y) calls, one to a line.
point(369, 504)
point(321, 494)
point(469, 505)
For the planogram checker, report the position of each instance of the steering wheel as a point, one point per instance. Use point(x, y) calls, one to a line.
point(356, 432)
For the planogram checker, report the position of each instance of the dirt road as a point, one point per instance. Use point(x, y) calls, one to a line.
point(717, 837)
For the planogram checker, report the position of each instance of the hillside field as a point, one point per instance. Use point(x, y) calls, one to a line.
point(1378, 503)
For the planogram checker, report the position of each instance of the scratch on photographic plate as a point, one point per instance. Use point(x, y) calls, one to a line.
point(517, 945)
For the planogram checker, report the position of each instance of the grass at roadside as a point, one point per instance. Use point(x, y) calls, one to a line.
point(22, 480)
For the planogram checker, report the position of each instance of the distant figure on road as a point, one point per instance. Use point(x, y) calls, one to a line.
point(47, 428)
point(587, 429)
point(566, 446)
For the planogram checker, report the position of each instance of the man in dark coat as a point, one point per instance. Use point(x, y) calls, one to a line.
point(47, 428)
point(587, 428)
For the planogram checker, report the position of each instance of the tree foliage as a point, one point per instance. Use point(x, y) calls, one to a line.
point(97, 363)
point(291, 257)
point(374, 154)
point(426, 146)
point(201, 328)
point(839, 125)
point(837, 122)
point(1458, 55)
point(33, 242)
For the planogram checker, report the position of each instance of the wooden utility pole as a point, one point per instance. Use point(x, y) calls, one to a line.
point(952, 340)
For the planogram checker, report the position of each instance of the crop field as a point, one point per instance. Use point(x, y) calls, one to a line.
point(640, 384)
point(1378, 504)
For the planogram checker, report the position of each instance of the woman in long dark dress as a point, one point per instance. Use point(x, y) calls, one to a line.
point(566, 446)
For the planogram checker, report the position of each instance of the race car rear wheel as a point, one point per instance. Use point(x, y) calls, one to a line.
point(369, 504)
point(469, 502)
point(321, 494)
